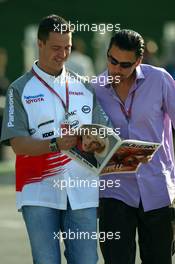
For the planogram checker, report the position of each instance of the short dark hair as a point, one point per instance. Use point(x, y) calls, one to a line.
point(52, 23)
point(129, 40)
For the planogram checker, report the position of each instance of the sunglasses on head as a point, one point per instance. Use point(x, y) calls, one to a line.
point(123, 64)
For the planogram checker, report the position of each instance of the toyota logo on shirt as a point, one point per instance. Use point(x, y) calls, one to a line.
point(86, 109)
point(34, 98)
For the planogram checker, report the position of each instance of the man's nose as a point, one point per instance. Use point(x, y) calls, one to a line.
point(62, 53)
point(117, 68)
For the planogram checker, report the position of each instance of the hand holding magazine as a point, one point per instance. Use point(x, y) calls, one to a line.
point(100, 149)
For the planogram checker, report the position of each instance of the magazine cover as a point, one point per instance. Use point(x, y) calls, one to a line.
point(129, 156)
point(100, 149)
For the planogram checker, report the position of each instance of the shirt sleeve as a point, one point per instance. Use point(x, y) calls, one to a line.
point(98, 115)
point(15, 121)
point(169, 96)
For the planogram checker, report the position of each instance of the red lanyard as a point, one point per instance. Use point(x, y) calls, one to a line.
point(66, 106)
point(128, 113)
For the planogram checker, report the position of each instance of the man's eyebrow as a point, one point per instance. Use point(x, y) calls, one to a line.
point(57, 46)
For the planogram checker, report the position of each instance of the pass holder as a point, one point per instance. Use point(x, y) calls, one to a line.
point(65, 126)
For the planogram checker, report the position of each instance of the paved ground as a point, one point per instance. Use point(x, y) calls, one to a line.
point(14, 246)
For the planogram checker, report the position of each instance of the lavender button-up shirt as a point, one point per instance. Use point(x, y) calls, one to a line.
point(153, 110)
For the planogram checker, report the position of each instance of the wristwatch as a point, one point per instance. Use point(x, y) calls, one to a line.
point(53, 146)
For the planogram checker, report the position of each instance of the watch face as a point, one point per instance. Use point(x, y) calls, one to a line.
point(53, 145)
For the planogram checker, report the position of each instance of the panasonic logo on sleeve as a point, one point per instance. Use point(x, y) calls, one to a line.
point(11, 109)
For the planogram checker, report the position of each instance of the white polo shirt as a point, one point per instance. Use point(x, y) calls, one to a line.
point(33, 110)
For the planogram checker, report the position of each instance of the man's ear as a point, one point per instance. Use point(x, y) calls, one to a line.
point(40, 43)
point(139, 61)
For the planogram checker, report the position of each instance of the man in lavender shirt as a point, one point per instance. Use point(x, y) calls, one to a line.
point(142, 105)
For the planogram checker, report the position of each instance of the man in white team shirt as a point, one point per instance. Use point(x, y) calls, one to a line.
point(49, 192)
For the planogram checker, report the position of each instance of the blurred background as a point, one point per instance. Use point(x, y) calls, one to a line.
point(154, 20)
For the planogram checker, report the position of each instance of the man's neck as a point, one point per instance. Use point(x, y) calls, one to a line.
point(48, 71)
point(122, 89)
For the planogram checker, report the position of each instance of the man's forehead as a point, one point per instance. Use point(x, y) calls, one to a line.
point(116, 51)
point(60, 37)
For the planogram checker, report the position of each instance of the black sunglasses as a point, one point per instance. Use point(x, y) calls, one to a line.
point(123, 64)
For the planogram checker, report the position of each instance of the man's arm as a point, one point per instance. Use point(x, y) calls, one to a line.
point(169, 96)
point(34, 147)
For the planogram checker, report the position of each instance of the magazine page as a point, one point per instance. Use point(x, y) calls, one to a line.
point(96, 144)
point(129, 156)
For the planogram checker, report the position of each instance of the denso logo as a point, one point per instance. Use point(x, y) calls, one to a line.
point(34, 98)
point(76, 93)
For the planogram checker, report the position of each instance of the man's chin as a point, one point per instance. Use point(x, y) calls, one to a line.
point(117, 77)
point(58, 64)
point(57, 67)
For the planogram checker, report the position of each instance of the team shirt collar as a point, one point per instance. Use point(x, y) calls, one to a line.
point(50, 79)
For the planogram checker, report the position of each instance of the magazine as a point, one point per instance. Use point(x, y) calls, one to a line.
point(100, 149)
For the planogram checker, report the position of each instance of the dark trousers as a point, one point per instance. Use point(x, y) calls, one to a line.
point(154, 230)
